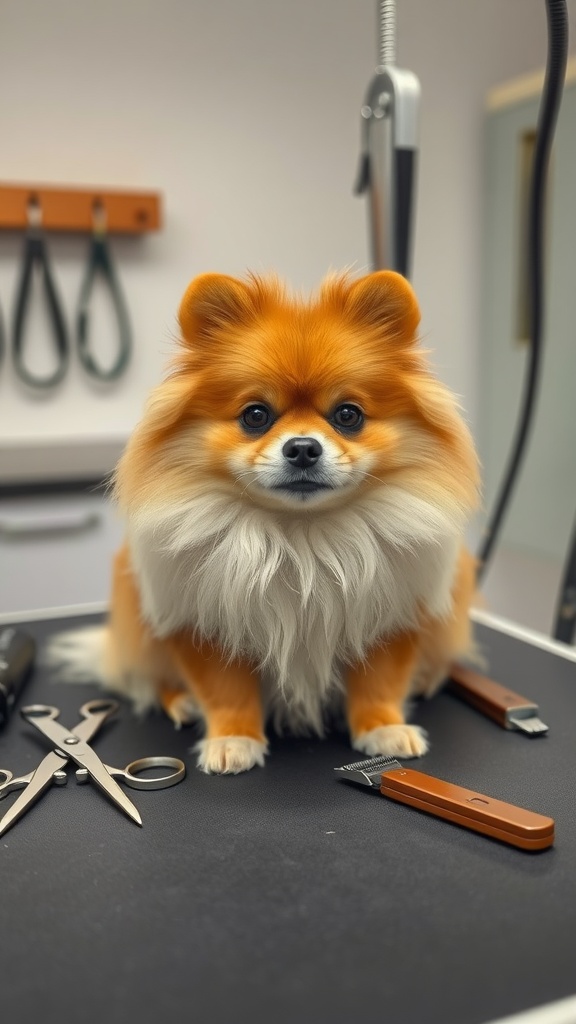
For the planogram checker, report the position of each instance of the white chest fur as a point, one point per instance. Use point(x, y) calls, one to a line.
point(297, 594)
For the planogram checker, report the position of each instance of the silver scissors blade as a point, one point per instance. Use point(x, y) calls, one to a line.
point(44, 718)
point(94, 713)
point(99, 773)
point(41, 779)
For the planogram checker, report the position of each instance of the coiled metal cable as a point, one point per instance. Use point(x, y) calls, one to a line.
point(386, 32)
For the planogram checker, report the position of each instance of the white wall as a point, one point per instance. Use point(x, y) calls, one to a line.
point(246, 116)
point(459, 49)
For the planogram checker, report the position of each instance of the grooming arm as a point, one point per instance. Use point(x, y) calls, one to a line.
point(389, 148)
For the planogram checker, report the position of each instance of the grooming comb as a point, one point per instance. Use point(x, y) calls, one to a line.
point(510, 824)
point(509, 709)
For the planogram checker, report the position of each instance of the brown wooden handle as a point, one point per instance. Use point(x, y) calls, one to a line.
point(503, 821)
point(486, 696)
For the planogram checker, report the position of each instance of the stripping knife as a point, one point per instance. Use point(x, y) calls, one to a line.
point(510, 824)
point(509, 709)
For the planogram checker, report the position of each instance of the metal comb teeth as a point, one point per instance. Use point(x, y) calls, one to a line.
point(368, 772)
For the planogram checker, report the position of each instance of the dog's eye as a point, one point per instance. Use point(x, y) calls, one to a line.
point(256, 417)
point(348, 417)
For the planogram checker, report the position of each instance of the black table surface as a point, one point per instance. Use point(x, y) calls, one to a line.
point(284, 893)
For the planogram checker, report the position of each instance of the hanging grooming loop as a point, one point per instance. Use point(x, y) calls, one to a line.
point(41, 209)
point(36, 263)
point(100, 264)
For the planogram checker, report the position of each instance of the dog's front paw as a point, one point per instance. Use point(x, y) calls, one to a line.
point(393, 741)
point(228, 755)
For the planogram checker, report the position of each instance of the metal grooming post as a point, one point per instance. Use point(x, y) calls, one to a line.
point(389, 149)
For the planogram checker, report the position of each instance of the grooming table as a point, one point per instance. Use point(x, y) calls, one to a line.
point(283, 894)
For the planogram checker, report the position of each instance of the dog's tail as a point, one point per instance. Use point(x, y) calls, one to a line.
point(80, 656)
point(88, 656)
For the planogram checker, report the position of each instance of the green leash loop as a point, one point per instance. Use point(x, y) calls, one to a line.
point(100, 262)
point(36, 258)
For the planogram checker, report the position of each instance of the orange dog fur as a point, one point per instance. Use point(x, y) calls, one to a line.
point(295, 498)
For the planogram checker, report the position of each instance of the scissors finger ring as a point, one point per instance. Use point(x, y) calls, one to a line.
point(131, 774)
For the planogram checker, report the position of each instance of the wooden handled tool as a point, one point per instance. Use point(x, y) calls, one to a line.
point(510, 824)
point(509, 709)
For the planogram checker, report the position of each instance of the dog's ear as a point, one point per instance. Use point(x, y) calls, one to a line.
point(211, 303)
point(385, 300)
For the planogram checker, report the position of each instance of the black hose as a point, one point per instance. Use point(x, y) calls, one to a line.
point(557, 18)
point(565, 619)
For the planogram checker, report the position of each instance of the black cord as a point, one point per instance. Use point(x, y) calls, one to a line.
point(557, 18)
point(565, 621)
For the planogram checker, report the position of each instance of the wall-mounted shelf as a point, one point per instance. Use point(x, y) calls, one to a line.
point(73, 209)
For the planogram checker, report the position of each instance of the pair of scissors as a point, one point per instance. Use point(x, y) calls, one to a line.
point(73, 745)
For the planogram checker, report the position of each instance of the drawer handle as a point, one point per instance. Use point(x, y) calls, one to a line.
point(14, 529)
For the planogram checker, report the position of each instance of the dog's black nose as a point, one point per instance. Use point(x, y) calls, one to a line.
point(302, 452)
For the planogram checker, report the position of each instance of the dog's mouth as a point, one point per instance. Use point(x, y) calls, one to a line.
point(281, 485)
point(303, 486)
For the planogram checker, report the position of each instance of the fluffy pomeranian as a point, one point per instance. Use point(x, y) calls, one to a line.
point(295, 498)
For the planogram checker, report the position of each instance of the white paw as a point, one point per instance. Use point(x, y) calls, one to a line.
point(230, 754)
point(393, 741)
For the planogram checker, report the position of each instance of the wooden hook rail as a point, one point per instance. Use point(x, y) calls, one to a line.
point(71, 209)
